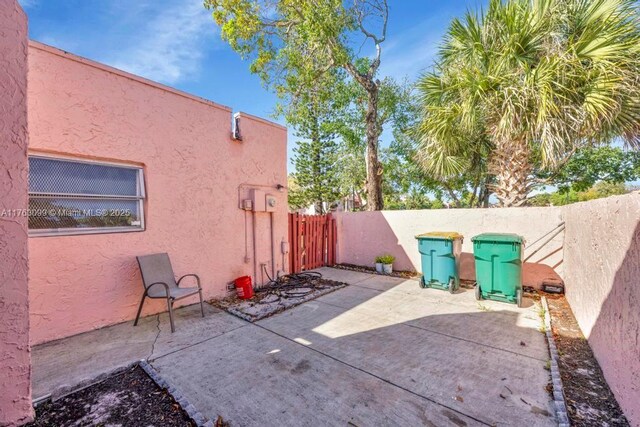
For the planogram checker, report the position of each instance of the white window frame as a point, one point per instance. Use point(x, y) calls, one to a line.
point(140, 198)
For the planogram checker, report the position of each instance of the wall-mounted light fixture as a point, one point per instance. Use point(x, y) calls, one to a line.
point(235, 128)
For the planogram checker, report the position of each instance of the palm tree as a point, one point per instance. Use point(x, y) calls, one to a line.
point(531, 78)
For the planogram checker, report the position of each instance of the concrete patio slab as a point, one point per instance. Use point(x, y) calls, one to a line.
point(478, 380)
point(340, 275)
point(412, 287)
point(433, 314)
point(253, 377)
point(382, 283)
point(192, 329)
point(382, 351)
point(74, 360)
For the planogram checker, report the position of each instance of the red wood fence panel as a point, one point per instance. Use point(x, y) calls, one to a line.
point(312, 240)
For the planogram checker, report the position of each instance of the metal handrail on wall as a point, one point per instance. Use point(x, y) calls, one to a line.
point(552, 233)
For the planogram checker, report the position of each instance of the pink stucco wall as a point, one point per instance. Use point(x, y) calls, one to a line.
point(193, 174)
point(364, 235)
point(598, 256)
point(602, 276)
point(15, 358)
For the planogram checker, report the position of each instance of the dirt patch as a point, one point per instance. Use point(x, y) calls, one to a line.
point(277, 296)
point(590, 401)
point(126, 399)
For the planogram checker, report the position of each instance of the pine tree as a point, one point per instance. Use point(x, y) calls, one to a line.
point(314, 159)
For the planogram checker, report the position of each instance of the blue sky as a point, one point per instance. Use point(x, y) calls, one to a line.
point(176, 42)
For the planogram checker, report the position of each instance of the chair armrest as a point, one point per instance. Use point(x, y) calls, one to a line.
point(190, 275)
point(166, 287)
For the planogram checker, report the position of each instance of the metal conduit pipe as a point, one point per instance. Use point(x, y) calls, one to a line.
point(255, 248)
point(273, 250)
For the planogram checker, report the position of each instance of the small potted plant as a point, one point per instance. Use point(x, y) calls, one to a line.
point(379, 268)
point(384, 264)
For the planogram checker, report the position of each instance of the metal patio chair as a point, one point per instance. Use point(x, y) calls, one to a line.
point(160, 282)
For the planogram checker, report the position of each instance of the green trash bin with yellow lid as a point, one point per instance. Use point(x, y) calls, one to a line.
point(440, 259)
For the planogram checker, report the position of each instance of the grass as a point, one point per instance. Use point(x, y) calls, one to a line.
point(542, 314)
point(483, 307)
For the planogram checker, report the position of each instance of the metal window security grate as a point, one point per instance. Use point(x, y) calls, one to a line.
point(53, 176)
point(75, 197)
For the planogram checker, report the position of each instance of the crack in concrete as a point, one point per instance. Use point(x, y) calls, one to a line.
point(195, 343)
point(153, 345)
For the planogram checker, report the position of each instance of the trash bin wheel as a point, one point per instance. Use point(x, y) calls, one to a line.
point(519, 297)
point(478, 292)
point(452, 285)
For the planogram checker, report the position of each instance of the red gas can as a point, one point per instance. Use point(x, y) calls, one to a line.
point(244, 289)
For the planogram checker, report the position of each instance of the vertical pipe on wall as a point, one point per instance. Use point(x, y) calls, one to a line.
point(246, 238)
point(284, 261)
point(273, 250)
point(254, 218)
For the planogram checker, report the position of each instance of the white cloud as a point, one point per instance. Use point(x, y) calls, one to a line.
point(413, 50)
point(169, 48)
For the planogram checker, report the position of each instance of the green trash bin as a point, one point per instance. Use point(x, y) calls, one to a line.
point(498, 259)
point(440, 259)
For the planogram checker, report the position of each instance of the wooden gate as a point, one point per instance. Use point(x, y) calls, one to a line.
point(312, 241)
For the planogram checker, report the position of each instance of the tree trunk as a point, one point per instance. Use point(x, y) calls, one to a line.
point(511, 167)
point(374, 168)
point(452, 195)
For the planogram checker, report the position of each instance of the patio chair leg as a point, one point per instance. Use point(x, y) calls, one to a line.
point(170, 305)
point(201, 304)
point(139, 309)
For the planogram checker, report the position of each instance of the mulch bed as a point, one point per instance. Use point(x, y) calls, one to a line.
point(467, 284)
point(289, 292)
point(590, 401)
point(372, 270)
point(126, 399)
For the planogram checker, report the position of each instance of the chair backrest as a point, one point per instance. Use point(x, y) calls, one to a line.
point(156, 268)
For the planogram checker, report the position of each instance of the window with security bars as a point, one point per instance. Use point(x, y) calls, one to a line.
point(78, 197)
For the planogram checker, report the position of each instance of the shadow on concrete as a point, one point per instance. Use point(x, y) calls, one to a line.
point(485, 364)
point(60, 365)
point(380, 352)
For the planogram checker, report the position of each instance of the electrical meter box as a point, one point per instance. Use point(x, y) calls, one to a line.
point(270, 201)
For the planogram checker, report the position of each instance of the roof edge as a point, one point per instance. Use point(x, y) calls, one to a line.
point(64, 54)
point(261, 120)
